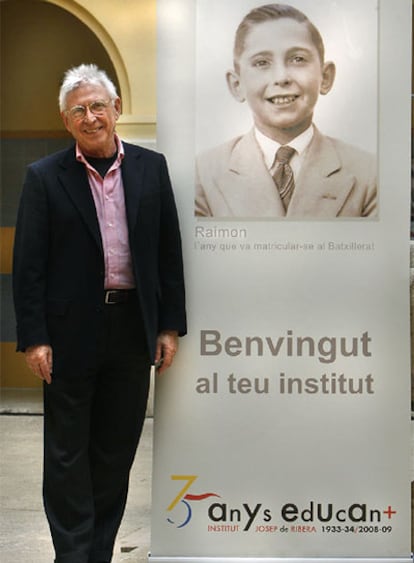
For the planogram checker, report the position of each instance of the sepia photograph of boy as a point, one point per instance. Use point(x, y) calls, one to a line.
point(280, 71)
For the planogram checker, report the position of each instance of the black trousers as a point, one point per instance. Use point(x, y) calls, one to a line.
point(92, 427)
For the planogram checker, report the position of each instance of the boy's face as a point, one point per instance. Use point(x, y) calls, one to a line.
point(281, 76)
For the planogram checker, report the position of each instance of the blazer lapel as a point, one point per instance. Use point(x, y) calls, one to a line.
point(132, 179)
point(74, 180)
point(322, 186)
point(247, 186)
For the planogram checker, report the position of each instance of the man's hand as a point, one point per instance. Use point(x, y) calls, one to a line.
point(40, 361)
point(167, 346)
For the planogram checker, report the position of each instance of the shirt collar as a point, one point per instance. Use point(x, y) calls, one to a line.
point(121, 152)
point(269, 147)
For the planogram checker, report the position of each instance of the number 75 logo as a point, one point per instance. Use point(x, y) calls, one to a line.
point(180, 508)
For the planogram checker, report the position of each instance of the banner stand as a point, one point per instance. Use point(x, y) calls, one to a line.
point(282, 431)
point(273, 560)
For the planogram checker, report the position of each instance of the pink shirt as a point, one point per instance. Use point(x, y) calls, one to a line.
point(108, 195)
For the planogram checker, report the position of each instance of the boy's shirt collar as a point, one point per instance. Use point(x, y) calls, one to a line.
point(269, 147)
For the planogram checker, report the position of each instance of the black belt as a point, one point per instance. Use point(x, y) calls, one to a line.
point(116, 296)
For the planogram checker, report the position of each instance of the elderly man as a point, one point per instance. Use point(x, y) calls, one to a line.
point(99, 297)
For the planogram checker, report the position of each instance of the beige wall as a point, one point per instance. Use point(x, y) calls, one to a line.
point(41, 39)
point(130, 25)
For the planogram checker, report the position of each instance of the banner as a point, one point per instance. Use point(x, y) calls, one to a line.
point(282, 431)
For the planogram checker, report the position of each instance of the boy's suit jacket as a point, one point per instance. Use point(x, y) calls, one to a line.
point(336, 180)
point(59, 261)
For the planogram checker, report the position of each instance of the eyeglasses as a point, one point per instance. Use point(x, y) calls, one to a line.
point(98, 107)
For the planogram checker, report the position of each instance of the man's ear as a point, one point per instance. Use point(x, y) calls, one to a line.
point(328, 77)
point(234, 84)
point(118, 107)
point(65, 120)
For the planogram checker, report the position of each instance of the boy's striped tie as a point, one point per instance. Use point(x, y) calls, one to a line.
point(283, 174)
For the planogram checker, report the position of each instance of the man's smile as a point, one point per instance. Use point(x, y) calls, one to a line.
point(92, 131)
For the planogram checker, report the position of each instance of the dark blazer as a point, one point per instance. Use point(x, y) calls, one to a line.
point(59, 262)
point(336, 180)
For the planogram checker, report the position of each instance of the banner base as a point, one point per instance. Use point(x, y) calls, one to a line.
point(155, 559)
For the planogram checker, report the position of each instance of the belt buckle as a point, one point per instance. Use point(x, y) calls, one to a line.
point(107, 297)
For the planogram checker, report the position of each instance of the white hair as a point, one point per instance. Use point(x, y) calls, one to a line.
point(84, 74)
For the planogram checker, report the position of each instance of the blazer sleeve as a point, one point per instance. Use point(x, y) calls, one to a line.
point(172, 313)
point(30, 262)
